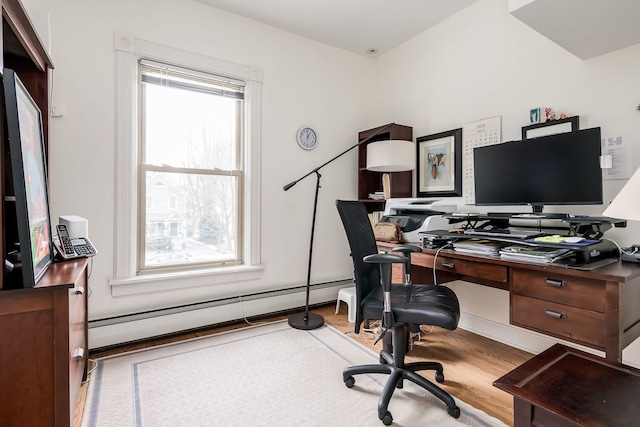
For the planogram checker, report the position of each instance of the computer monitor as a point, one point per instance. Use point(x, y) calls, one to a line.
point(560, 169)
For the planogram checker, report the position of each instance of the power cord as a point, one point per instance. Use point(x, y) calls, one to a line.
point(621, 249)
point(90, 370)
point(244, 316)
point(435, 259)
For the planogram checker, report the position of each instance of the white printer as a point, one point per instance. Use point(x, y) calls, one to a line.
point(416, 215)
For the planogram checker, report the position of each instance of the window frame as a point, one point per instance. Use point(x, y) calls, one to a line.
point(126, 280)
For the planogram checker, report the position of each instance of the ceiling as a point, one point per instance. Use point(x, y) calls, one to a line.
point(365, 27)
point(586, 28)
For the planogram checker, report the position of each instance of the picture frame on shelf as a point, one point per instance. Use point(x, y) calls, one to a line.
point(439, 164)
point(534, 116)
point(567, 124)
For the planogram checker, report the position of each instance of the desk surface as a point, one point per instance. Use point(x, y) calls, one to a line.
point(598, 308)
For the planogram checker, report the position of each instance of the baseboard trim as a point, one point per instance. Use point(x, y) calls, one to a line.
point(139, 326)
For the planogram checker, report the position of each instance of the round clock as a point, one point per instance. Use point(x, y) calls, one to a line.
point(307, 138)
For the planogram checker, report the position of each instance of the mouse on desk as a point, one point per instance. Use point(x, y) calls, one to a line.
point(573, 239)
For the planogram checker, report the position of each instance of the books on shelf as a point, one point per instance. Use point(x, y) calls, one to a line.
point(386, 185)
point(375, 217)
point(378, 195)
point(534, 254)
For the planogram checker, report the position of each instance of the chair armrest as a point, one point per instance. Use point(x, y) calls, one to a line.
point(407, 248)
point(385, 261)
point(406, 251)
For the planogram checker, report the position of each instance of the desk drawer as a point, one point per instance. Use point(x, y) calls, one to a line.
point(494, 272)
point(571, 323)
point(568, 290)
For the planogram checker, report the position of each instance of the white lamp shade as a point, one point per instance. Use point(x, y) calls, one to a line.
point(626, 205)
point(391, 156)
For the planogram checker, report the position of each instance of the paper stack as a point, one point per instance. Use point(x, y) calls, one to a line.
point(478, 247)
point(534, 254)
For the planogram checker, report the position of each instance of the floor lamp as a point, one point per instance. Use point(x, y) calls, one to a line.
point(306, 320)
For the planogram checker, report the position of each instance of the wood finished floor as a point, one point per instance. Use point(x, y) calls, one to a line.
point(471, 362)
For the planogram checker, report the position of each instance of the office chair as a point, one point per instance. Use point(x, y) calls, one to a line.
point(397, 306)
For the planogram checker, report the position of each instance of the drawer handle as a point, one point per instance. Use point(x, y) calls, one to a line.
point(447, 264)
point(556, 283)
point(554, 314)
point(79, 290)
point(79, 353)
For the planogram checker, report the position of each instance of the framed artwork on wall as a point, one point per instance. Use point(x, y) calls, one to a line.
point(439, 164)
point(567, 124)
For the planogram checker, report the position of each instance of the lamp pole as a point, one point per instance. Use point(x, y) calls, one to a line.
point(306, 320)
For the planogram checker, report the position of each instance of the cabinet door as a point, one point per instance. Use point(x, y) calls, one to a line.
point(27, 362)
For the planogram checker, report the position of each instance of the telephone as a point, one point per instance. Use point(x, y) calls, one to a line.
point(69, 248)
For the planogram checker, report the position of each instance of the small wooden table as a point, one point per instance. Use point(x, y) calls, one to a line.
point(564, 387)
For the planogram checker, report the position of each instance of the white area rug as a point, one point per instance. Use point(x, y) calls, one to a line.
point(265, 375)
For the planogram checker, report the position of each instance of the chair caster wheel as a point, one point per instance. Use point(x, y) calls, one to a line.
point(387, 419)
point(439, 377)
point(454, 412)
point(349, 382)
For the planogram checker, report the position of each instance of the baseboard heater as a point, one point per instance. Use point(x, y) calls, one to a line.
point(131, 327)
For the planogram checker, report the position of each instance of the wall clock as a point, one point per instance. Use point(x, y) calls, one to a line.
point(307, 138)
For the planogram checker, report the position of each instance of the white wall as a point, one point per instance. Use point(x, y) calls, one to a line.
point(482, 62)
point(305, 83)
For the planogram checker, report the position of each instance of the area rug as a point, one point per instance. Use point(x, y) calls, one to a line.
point(264, 375)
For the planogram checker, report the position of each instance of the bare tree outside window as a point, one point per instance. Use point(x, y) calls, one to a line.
point(191, 168)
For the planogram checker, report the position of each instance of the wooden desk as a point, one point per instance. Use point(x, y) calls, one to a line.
point(564, 387)
point(597, 308)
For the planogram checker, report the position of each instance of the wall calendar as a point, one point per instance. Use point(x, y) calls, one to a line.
point(476, 134)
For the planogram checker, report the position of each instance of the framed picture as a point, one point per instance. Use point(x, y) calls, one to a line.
point(534, 116)
point(568, 124)
point(29, 173)
point(439, 164)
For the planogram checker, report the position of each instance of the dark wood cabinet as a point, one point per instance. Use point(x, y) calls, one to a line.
point(565, 387)
point(400, 183)
point(43, 347)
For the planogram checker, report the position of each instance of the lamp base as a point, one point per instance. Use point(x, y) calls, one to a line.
point(306, 322)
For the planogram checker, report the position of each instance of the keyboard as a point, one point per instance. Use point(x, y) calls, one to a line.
point(512, 234)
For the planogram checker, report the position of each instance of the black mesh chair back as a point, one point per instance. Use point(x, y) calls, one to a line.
point(362, 241)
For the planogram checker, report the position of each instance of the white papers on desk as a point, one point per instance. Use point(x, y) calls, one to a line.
point(534, 254)
point(482, 247)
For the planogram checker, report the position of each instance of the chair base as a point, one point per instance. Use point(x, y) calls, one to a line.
point(398, 371)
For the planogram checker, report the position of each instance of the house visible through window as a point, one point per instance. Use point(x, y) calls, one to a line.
point(190, 167)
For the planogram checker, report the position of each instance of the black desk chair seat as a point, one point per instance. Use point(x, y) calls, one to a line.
point(397, 306)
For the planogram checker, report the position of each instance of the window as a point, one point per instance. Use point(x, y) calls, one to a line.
point(191, 145)
point(188, 169)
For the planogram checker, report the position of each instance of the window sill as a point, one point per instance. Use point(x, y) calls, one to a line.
point(182, 280)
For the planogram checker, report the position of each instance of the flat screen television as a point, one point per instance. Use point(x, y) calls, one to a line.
point(29, 174)
point(560, 169)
